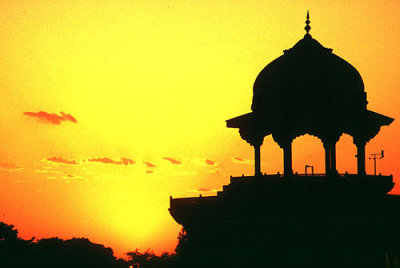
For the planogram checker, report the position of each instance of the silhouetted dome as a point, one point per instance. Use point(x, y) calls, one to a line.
point(309, 78)
point(308, 90)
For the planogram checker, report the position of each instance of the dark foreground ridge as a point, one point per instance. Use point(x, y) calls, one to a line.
point(16, 252)
point(293, 221)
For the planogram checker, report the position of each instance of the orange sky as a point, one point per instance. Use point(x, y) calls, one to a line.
point(135, 96)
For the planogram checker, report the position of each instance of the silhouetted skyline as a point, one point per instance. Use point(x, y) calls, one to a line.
point(110, 107)
point(290, 219)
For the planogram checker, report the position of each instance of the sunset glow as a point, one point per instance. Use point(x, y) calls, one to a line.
point(110, 107)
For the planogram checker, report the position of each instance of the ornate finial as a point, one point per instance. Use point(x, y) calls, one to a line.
point(308, 27)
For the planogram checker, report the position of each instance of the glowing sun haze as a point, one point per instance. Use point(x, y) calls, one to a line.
point(110, 107)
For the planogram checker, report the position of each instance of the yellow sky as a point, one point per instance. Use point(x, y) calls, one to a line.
point(153, 82)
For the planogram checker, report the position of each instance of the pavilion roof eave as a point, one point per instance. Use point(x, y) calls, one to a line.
point(264, 121)
point(240, 121)
point(379, 119)
point(367, 124)
point(366, 120)
point(353, 123)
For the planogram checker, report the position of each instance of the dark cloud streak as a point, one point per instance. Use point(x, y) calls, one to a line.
point(10, 167)
point(61, 160)
point(172, 161)
point(106, 160)
point(209, 162)
point(149, 164)
point(51, 118)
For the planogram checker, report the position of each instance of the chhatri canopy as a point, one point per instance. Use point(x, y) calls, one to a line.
point(309, 90)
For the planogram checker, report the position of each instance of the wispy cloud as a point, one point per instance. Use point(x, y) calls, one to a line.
point(149, 164)
point(106, 160)
point(203, 162)
point(172, 160)
point(51, 118)
point(60, 160)
point(10, 167)
point(214, 171)
point(240, 160)
point(47, 170)
point(204, 191)
point(127, 161)
point(209, 162)
point(66, 177)
point(69, 177)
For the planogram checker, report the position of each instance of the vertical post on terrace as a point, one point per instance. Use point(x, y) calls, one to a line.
point(312, 170)
point(375, 157)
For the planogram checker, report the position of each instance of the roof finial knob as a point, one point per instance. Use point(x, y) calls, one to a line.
point(308, 27)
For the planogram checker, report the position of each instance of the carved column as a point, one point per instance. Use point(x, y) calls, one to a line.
point(257, 160)
point(255, 138)
point(285, 142)
point(361, 160)
point(327, 160)
point(333, 158)
point(287, 158)
point(360, 143)
point(330, 156)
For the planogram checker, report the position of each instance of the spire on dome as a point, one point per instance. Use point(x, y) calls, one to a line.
point(308, 27)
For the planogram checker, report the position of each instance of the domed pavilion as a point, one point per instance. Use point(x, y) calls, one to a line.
point(309, 90)
point(298, 220)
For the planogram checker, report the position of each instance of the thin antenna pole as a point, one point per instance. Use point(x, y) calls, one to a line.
point(375, 157)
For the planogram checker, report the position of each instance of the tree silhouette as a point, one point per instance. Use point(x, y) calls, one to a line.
point(182, 240)
point(7, 233)
point(75, 252)
point(148, 259)
point(53, 252)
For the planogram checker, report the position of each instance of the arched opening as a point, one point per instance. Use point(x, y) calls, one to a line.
point(308, 153)
point(346, 151)
point(271, 157)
